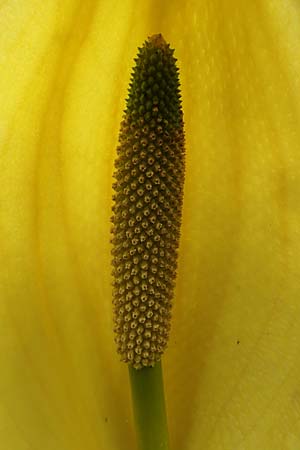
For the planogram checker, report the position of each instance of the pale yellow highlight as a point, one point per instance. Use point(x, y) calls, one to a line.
point(232, 369)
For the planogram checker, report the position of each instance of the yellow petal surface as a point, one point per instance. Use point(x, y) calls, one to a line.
point(232, 369)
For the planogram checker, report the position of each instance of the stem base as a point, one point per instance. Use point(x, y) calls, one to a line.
point(149, 407)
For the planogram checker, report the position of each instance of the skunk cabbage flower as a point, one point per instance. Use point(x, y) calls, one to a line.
point(232, 366)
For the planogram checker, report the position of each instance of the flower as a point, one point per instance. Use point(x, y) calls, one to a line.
point(232, 368)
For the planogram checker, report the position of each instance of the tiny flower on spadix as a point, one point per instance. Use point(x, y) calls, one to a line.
point(147, 205)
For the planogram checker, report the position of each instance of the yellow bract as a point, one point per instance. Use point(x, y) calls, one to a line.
point(232, 370)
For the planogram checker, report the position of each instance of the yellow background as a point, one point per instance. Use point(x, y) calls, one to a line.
point(232, 370)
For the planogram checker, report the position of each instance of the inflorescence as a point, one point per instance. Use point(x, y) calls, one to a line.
point(147, 206)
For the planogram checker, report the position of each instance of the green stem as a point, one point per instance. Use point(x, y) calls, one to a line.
point(149, 407)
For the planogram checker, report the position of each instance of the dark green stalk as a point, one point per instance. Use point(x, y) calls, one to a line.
point(149, 407)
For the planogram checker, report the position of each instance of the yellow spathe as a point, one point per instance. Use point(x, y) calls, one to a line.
point(232, 369)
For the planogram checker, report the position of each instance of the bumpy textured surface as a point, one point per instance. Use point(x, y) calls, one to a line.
point(147, 205)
